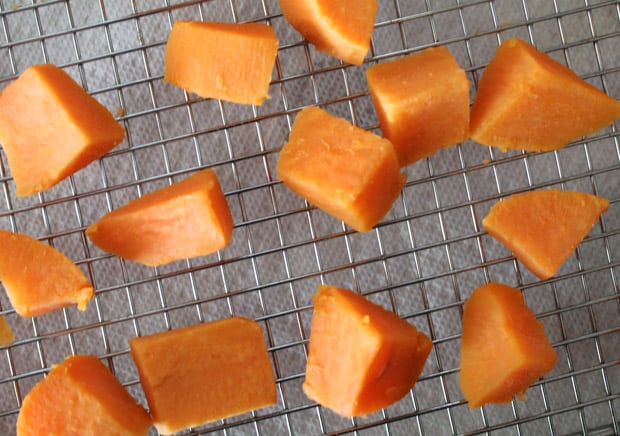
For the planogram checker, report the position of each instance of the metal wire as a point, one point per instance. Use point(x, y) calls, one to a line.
point(422, 261)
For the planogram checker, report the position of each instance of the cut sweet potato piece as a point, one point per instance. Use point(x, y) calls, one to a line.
point(543, 228)
point(526, 100)
point(38, 278)
point(346, 171)
point(203, 373)
point(50, 128)
point(80, 396)
point(7, 337)
point(362, 357)
point(340, 28)
point(422, 102)
point(228, 61)
point(186, 219)
point(504, 348)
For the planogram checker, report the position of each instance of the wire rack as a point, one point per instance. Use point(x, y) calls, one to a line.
point(422, 261)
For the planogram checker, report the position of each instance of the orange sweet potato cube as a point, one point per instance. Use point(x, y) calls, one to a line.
point(38, 278)
point(186, 219)
point(228, 61)
point(80, 396)
point(362, 357)
point(346, 171)
point(504, 348)
point(50, 128)
point(422, 102)
point(202, 373)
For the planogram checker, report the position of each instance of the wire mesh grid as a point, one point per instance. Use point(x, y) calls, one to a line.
point(422, 261)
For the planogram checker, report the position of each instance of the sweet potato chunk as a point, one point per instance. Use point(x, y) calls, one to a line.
point(504, 348)
point(422, 101)
point(50, 128)
point(543, 228)
point(80, 396)
point(202, 373)
point(526, 100)
point(341, 28)
point(228, 61)
point(38, 278)
point(186, 219)
point(346, 171)
point(362, 357)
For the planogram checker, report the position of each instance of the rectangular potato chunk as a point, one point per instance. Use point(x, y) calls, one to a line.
point(422, 102)
point(202, 373)
point(342, 169)
point(229, 61)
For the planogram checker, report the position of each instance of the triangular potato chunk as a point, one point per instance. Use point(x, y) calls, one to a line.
point(81, 396)
point(186, 219)
point(38, 278)
point(362, 357)
point(340, 28)
point(527, 100)
point(50, 128)
point(504, 348)
point(543, 228)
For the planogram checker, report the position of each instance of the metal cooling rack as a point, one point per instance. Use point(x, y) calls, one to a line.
point(422, 260)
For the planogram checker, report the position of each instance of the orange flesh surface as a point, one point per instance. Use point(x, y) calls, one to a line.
point(422, 102)
point(526, 100)
point(362, 357)
point(50, 128)
point(80, 396)
point(204, 373)
point(227, 61)
point(186, 219)
point(7, 337)
point(504, 348)
point(543, 228)
point(38, 278)
point(346, 171)
point(340, 28)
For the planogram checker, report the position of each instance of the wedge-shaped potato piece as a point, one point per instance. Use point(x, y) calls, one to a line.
point(80, 396)
point(362, 357)
point(186, 219)
point(228, 61)
point(38, 278)
point(346, 171)
point(203, 373)
point(543, 228)
point(527, 100)
point(50, 128)
point(341, 28)
point(504, 348)
point(422, 101)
